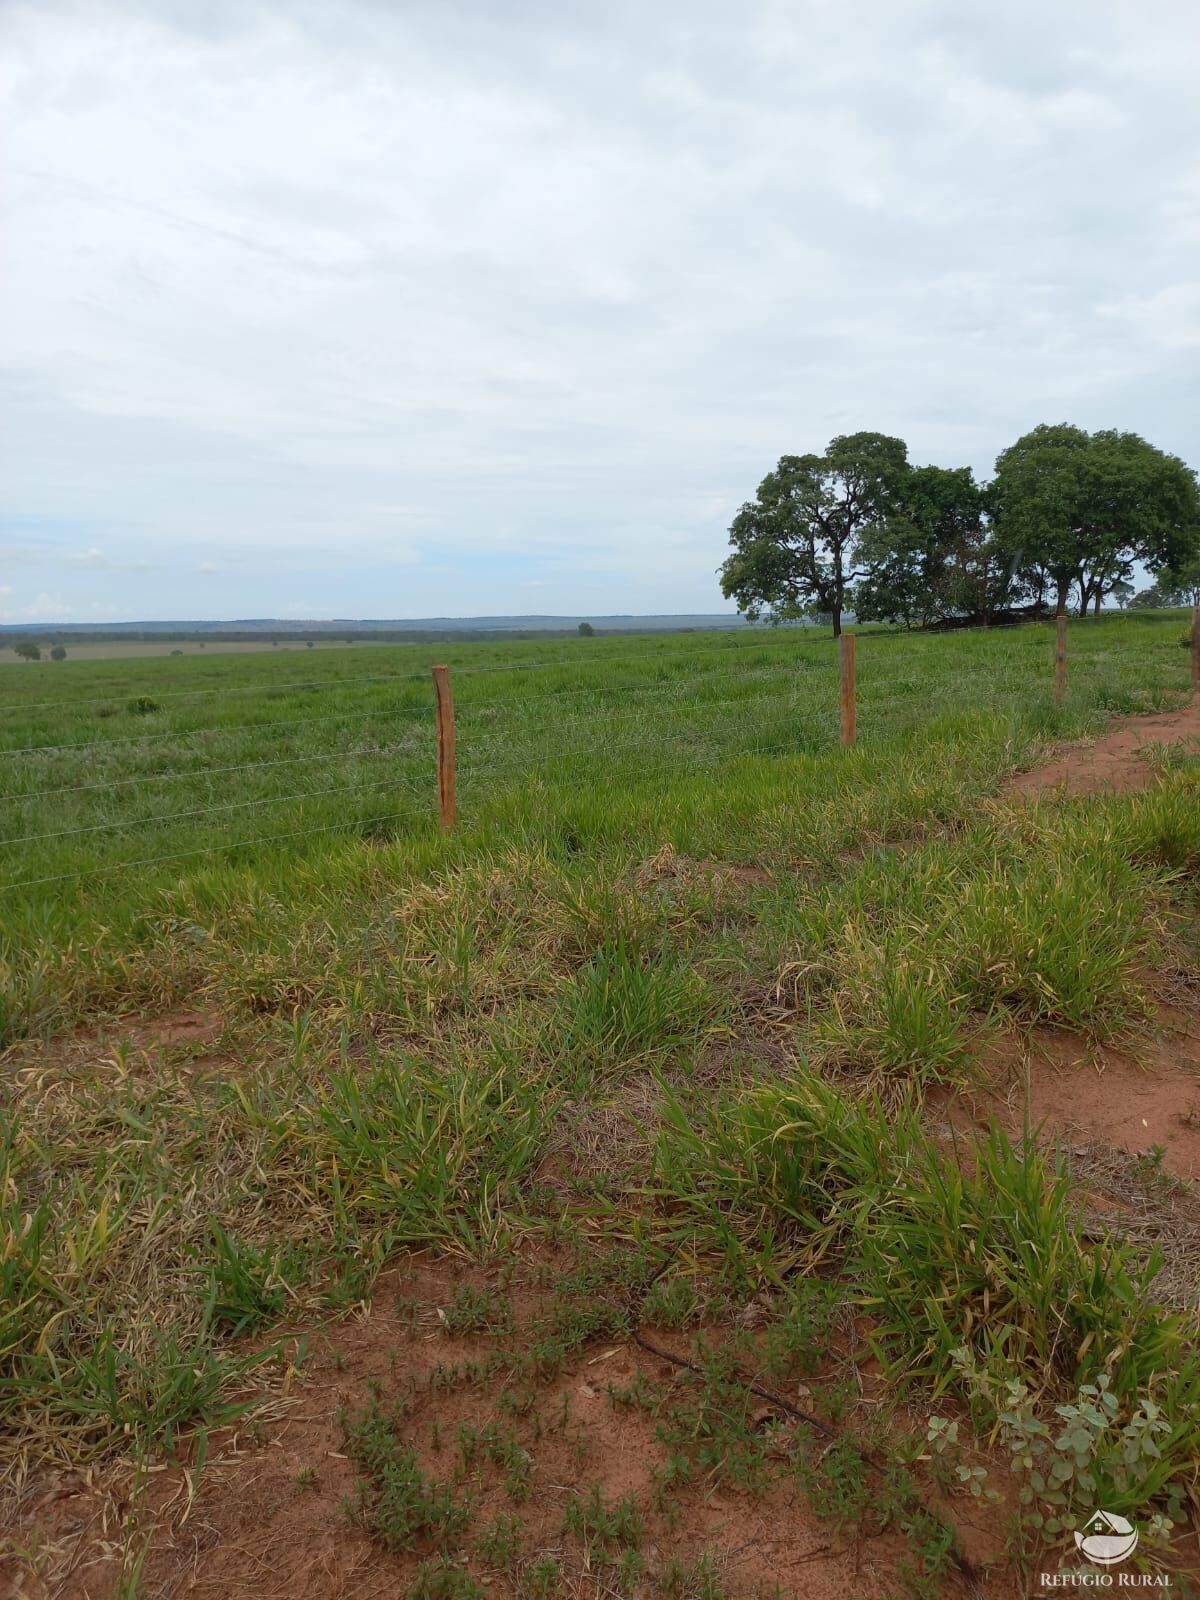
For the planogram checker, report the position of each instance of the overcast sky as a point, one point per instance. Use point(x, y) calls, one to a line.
point(394, 309)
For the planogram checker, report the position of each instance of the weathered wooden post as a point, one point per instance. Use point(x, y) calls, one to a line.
point(849, 700)
point(447, 811)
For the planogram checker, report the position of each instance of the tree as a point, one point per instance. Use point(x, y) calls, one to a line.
point(796, 543)
point(27, 650)
point(933, 558)
point(1181, 583)
point(1072, 508)
point(58, 653)
point(586, 629)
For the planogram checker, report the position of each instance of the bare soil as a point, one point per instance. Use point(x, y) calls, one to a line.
point(1117, 760)
point(1139, 1098)
point(268, 1515)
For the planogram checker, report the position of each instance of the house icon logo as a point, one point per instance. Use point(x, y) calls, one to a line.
point(1107, 1539)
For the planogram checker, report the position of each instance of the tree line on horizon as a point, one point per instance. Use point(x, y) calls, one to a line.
point(1064, 520)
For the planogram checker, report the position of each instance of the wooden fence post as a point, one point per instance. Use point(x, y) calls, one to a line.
point(1196, 649)
point(849, 700)
point(445, 748)
point(1060, 661)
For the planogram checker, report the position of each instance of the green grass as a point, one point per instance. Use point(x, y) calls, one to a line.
point(411, 1025)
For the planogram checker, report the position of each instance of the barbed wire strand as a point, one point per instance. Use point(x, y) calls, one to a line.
point(421, 676)
point(229, 728)
point(204, 850)
point(213, 772)
point(782, 643)
point(636, 688)
point(207, 811)
point(293, 722)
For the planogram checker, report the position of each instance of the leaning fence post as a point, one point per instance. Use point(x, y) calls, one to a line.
point(445, 747)
point(1060, 661)
point(849, 701)
point(1196, 649)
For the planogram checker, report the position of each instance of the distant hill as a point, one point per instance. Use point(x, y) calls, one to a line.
point(359, 628)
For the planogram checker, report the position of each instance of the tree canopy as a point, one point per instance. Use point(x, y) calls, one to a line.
point(932, 558)
point(1072, 508)
point(859, 527)
point(796, 542)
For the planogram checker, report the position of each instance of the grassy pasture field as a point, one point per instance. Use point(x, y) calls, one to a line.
point(138, 649)
point(678, 1006)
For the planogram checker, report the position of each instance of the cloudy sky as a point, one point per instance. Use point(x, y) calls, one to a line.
point(386, 308)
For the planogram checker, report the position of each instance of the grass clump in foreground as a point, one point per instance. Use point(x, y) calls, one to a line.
point(122, 1290)
point(395, 1501)
point(973, 1268)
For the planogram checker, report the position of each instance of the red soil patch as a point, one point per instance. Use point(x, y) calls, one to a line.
point(1115, 762)
point(268, 1519)
point(137, 1045)
point(1134, 1098)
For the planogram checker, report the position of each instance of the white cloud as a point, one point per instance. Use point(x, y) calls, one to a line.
point(96, 561)
point(48, 607)
point(435, 302)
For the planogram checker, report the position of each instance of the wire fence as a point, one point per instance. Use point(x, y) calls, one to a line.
point(75, 808)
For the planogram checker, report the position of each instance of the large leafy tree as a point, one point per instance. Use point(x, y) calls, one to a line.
point(933, 558)
point(796, 543)
point(1183, 580)
point(1173, 586)
point(1078, 509)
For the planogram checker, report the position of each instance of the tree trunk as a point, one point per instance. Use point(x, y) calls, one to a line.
point(1099, 598)
point(1064, 589)
point(837, 618)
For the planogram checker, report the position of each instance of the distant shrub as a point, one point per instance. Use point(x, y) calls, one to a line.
point(106, 711)
point(27, 651)
point(58, 653)
point(176, 652)
point(141, 706)
point(586, 629)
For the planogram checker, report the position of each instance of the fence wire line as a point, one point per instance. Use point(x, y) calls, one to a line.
point(409, 710)
point(461, 709)
point(14, 798)
point(206, 811)
point(230, 728)
point(529, 764)
point(203, 850)
point(420, 676)
point(704, 750)
point(757, 673)
point(528, 767)
point(463, 715)
point(467, 714)
point(265, 688)
point(239, 844)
